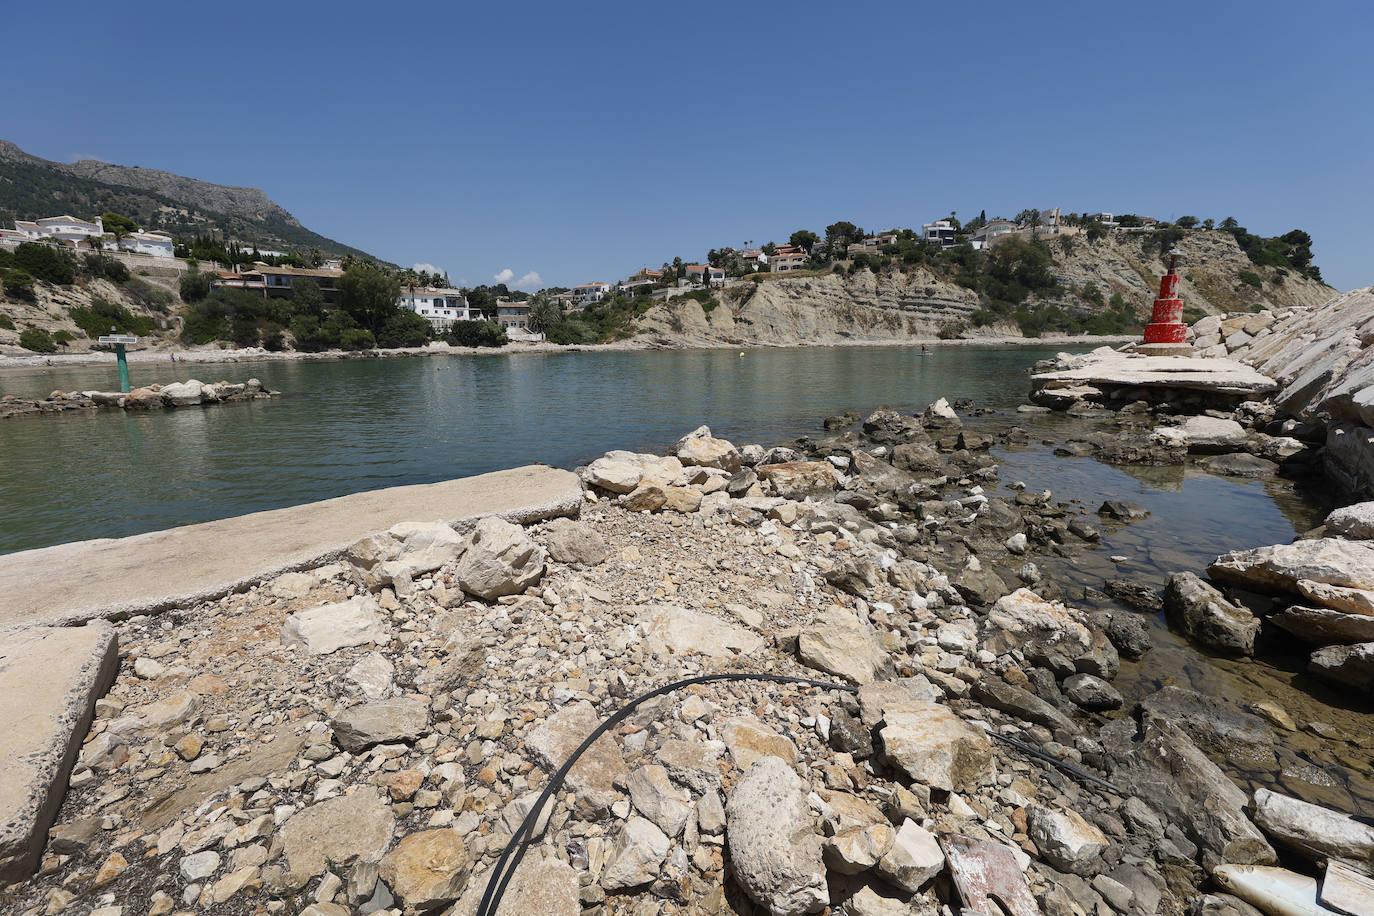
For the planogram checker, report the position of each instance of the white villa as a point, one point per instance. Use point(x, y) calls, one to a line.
point(588, 293)
point(157, 244)
point(941, 232)
point(79, 233)
point(441, 306)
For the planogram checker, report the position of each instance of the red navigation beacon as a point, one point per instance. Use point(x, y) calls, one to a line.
point(1166, 321)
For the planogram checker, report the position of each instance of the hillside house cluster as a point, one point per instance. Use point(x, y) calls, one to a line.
point(278, 282)
point(74, 232)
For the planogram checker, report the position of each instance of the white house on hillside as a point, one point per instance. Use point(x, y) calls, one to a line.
point(441, 306)
point(941, 232)
point(157, 244)
point(588, 293)
point(67, 229)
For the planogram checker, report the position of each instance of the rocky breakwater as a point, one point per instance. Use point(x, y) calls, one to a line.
point(1322, 358)
point(190, 393)
point(366, 736)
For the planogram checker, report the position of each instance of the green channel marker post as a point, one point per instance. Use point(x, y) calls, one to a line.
point(120, 341)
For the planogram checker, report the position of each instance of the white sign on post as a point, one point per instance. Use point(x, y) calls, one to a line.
point(126, 339)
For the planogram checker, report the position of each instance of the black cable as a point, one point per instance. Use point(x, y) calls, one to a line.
point(520, 841)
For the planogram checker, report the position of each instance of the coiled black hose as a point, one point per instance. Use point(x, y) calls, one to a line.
point(514, 853)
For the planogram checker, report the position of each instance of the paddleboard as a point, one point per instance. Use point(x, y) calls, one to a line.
point(1276, 891)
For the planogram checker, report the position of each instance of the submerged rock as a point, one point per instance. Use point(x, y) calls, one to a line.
point(1324, 626)
point(1204, 614)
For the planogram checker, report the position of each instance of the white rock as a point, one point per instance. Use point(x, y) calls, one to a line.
point(773, 843)
point(639, 851)
point(372, 674)
point(326, 629)
point(654, 796)
point(199, 866)
point(1065, 839)
point(915, 857)
point(500, 559)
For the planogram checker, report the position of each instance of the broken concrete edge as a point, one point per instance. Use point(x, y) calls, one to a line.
point(23, 832)
point(569, 507)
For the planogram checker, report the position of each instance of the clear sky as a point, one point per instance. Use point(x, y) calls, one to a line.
point(580, 141)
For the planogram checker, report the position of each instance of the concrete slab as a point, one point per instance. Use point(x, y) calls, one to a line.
point(1113, 369)
point(50, 679)
point(147, 573)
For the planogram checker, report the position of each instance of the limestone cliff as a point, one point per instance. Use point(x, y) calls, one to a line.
point(912, 303)
point(815, 310)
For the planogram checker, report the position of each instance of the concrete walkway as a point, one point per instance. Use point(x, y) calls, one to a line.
point(112, 578)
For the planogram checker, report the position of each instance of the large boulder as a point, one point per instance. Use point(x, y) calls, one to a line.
point(1352, 666)
point(428, 869)
point(347, 829)
point(1337, 597)
point(423, 547)
point(500, 559)
point(940, 416)
point(382, 722)
point(1312, 830)
point(1324, 626)
point(183, 394)
point(991, 690)
point(700, 449)
point(935, 747)
point(1065, 839)
point(840, 644)
point(800, 479)
point(1334, 561)
point(682, 631)
point(1024, 619)
point(1160, 763)
point(774, 847)
point(575, 543)
point(616, 474)
point(1355, 521)
point(326, 629)
point(593, 778)
point(1213, 436)
point(1204, 614)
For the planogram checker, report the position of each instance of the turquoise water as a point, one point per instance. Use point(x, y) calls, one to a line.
point(344, 426)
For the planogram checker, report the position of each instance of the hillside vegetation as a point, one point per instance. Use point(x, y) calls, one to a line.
point(32, 188)
point(1105, 284)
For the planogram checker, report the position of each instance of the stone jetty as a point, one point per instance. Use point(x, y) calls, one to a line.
point(366, 733)
point(190, 393)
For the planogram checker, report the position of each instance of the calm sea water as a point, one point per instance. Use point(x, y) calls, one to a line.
point(351, 425)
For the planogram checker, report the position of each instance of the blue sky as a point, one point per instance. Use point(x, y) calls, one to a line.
point(582, 141)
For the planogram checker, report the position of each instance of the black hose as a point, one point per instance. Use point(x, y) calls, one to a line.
point(520, 841)
point(515, 850)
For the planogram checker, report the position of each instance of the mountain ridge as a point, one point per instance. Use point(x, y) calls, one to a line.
point(32, 187)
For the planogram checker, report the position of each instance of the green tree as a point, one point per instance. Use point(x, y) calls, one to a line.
point(46, 262)
point(369, 295)
point(841, 234)
point(36, 340)
point(1208, 223)
point(481, 301)
point(194, 286)
point(118, 225)
point(1230, 223)
point(404, 329)
point(1186, 222)
point(19, 283)
point(804, 239)
point(306, 298)
point(544, 315)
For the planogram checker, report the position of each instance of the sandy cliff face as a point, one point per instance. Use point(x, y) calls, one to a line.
point(902, 305)
point(827, 309)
